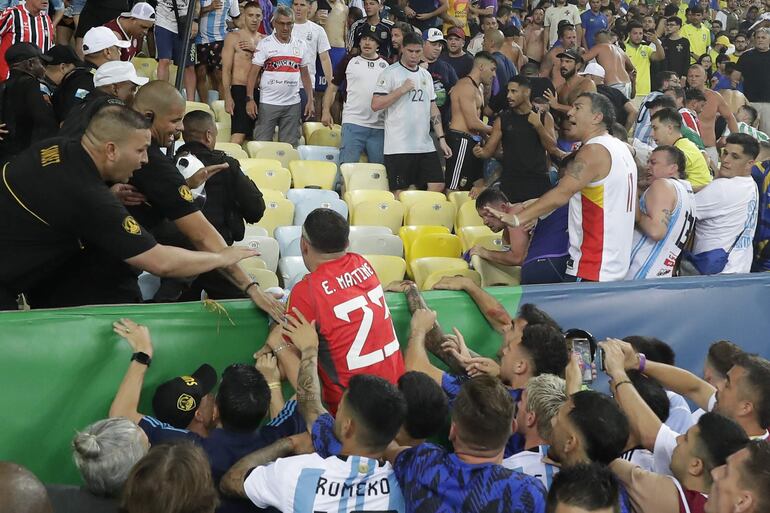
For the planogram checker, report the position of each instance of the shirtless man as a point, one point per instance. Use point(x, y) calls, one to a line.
point(334, 22)
point(715, 104)
point(617, 66)
point(549, 67)
point(237, 53)
point(574, 85)
point(511, 48)
point(464, 170)
point(533, 37)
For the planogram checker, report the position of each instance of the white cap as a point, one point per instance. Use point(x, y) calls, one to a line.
point(141, 11)
point(593, 68)
point(763, 18)
point(114, 72)
point(433, 35)
point(99, 38)
point(188, 165)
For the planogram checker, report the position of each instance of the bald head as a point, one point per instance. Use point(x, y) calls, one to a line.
point(494, 38)
point(21, 491)
point(157, 96)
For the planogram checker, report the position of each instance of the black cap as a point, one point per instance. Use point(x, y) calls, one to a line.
point(62, 54)
point(371, 31)
point(22, 51)
point(176, 400)
point(581, 333)
point(570, 54)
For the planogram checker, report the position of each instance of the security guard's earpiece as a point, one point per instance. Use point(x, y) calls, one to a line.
point(150, 115)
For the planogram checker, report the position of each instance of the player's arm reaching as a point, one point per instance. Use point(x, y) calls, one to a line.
point(495, 313)
point(416, 357)
point(126, 402)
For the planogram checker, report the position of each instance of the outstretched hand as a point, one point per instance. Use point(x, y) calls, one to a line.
point(302, 333)
point(138, 336)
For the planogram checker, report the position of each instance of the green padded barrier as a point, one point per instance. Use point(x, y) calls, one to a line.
point(60, 368)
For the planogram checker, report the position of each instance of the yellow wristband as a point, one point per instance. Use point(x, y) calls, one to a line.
point(273, 386)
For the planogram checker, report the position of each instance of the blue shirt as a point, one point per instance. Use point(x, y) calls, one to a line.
point(550, 237)
point(761, 174)
point(434, 480)
point(592, 23)
point(643, 130)
point(325, 442)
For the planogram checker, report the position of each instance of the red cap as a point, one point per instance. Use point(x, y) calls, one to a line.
point(456, 31)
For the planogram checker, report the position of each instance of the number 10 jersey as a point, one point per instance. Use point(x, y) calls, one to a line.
point(355, 330)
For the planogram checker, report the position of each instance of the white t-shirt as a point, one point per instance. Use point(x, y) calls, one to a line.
point(532, 464)
point(407, 121)
point(281, 63)
point(164, 14)
point(640, 457)
point(316, 41)
point(361, 76)
point(309, 483)
point(679, 414)
point(665, 443)
point(553, 15)
point(726, 208)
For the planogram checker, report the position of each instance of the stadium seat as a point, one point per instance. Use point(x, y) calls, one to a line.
point(223, 133)
point(377, 245)
point(435, 245)
point(286, 236)
point(277, 213)
point(458, 198)
point(249, 164)
point(148, 285)
point(493, 274)
point(191, 106)
point(252, 265)
point(436, 276)
point(409, 234)
point(218, 107)
point(232, 149)
point(388, 268)
point(313, 173)
point(324, 153)
point(145, 67)
point(468, 216)
point(388, 213)
point(426, 266)
point(254, 231)
point(271, 194)
point(292, 269)
point(409, 198)
point(369, 230)
point(264, 278)
point(267, 247)
point(278, 179)
point(324, 136)
point(309, 127)
point(282, 152)
point(302, 209)
point(472, 235)
point(297, 196)
point(353, 198)
point(433, 213)
point(364, 176)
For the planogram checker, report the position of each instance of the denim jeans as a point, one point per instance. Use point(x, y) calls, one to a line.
point(358, 139)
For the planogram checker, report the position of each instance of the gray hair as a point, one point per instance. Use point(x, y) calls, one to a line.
point(764, 30)
point(545, 395)
point(600, 104)
point(282, 10)
point(105, 452)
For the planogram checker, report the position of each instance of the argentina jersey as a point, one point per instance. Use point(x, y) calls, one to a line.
point(213, 24)
point(311, 484)
point(530, 462)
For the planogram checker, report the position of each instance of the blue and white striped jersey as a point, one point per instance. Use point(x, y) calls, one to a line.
point(213, 24)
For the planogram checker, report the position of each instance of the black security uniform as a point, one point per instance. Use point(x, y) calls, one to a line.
point(27, 116)
point(73, 90)
point(76, 122)
point(53, 204)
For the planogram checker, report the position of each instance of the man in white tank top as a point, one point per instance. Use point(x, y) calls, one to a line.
point(665, 216)
point(600, 186)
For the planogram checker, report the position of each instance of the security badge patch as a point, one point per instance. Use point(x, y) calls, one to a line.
point(186, 402)
point(186, 193)
point(131, 226)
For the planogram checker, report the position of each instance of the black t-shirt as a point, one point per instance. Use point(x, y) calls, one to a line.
point(525, 167)
point(462, 64)
point(444, 79)
point(755, 67)
point(677, 56)
point(73, 90)
point(618, 101)
point(74, 126)
point(27, 115)
point(383, 28)
point(58, 204)
point(168, 196)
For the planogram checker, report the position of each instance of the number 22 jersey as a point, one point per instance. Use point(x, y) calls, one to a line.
point(355, 330)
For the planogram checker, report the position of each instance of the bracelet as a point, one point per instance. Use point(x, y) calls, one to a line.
point(273, 386)
point(280, 348)
point(246, 290)
point(516, 222)
point(642, 362)
point(623, 383)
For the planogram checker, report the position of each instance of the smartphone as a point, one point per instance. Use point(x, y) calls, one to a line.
point(582, 347)
point(599, 360)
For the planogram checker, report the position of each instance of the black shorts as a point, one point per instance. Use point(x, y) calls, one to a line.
point(67, 22)
point(462, 168)
point(241, 123)
point(419, 169)
point(210, 55)
point(94, 15)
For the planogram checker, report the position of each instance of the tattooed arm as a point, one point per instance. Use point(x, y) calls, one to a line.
point(660, 201)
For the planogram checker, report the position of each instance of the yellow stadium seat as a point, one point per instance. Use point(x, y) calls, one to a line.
point(424, 267)
point(277, 213)
point(172, 70)
point(472, 235)
point(388, 268)
point(324, 136)
point(309, 127)
point(309, 173)
point(409, 234)
point(252, 230)
point(145, 67)
point(433, 213)
point(191, 106)
point(271, 194)
point(493, 274)
point(409, 198)
point(223, 133)
point(468, 216)
point(459, 197)
point(265, 278)
point(252, 263)
point(271, 178)
point(218, 106)
point(232, 149)
point(250, 164)
point(353, 198)
point(364, 176)
point(252, 147)
point(435, 245)
point(436, 276)
point(388, 213)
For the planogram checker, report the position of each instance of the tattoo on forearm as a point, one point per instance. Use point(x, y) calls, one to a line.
point(232, 481)
point(309, 388)
point(666, 217)
point(436, 120)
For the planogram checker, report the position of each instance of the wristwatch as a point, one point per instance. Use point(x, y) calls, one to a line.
point(142, 358)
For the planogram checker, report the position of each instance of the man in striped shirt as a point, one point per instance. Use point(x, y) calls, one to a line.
point(25, 23)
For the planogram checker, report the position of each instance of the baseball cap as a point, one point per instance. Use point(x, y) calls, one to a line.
point(433, 35)
point(593, 68)
point(117, 71)
point(140, 11)
point(99, 38)
point(176, 400)
point(456, 32)
point(570, 54)
point(722, 40)
point(22, 51)
point(371, 31)
point(62, 54)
